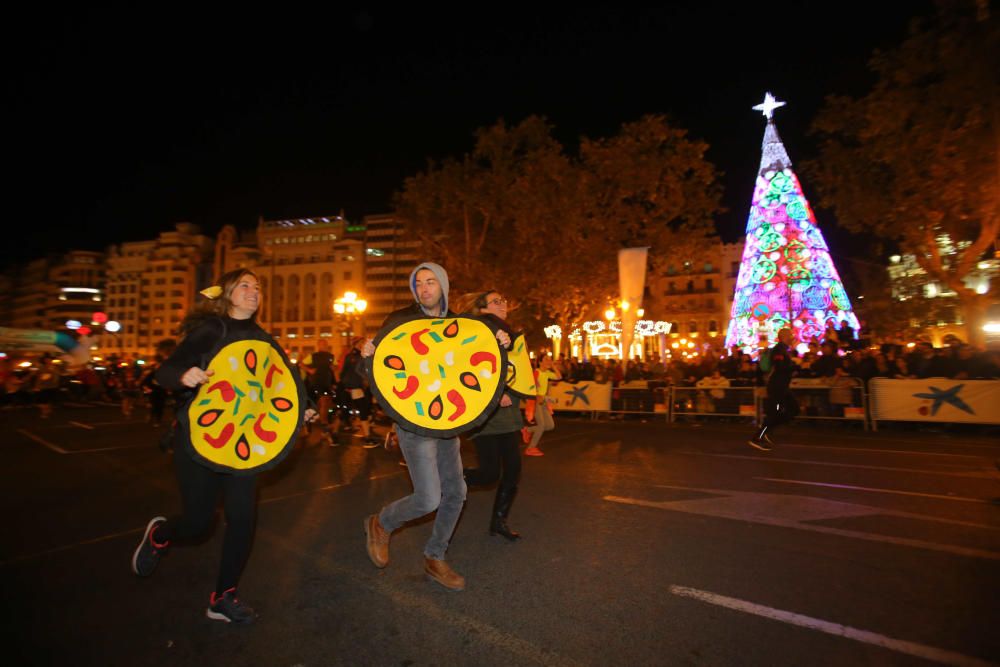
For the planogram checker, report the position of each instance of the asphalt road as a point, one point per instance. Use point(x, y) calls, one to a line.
point(644, 544)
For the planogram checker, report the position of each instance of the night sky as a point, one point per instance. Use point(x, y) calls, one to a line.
point(123, 124)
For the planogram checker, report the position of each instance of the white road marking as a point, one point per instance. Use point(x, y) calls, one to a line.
point(923, 651)
point(115, 423)
point(66, 547)
point(882, 438)
point(799, 513)
point(134, 531)
point(872, 510)
point(875, 490)
point(82, 425)
point(767, 458)
point(60, 450)
point(890, 451)
point(122, 423)
point(109, 449)
point(42, 441)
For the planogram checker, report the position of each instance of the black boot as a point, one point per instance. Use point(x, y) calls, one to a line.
point(501, 508)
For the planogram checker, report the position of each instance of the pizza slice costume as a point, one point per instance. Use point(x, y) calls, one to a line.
point(520, 374)
point(438, 377)
point(246, 418)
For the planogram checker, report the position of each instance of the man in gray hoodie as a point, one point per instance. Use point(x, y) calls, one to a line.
point(435, 465)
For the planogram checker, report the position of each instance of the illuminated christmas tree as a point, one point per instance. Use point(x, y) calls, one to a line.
point(787, 278)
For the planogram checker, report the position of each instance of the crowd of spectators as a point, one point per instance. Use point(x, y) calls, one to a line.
point(829, 378)
point(49, 379)
point(822, 360)
point(825, 362)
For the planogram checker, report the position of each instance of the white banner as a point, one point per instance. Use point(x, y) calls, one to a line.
point(581, 397)
point(936, 400)
point(632, 282)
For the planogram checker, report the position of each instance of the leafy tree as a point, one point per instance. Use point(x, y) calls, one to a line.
point(917, 159)
point(522, 216)
point(464, 210)
point(650, 185)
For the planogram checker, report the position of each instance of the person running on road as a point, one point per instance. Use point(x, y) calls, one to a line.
point(130, 390)
point(46, 385)
point(498, 441)
point(542, 412)
point(780, 406)
point(355, 380)
point(434, 464)
point(319, 369)
point(156, 394)
point(230, 316)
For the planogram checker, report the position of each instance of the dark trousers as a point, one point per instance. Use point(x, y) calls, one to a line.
point(157, 403)
point(780, 407)
point(200, 489)
point(496, 451)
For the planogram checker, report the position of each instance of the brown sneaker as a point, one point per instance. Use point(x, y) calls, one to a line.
point(441, 572)
point(377, 542)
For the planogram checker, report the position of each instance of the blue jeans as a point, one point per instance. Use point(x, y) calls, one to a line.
point(436, 472)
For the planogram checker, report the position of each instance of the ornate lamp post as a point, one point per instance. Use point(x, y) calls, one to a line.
point(350, 308)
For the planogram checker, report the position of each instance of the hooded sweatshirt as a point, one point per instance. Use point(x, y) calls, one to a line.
point(416, 309)
point(442, 278)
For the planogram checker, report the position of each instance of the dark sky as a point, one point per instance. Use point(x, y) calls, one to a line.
point(120, 124)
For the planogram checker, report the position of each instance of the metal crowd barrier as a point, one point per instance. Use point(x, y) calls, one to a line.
point(640, 400)
point(840, 399)
point(738, 402)
point(844, 399)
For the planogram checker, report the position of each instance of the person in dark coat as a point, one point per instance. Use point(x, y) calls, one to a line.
point(780, 406)
point(498, 441)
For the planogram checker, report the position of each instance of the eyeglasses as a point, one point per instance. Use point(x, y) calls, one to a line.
point(499, 301)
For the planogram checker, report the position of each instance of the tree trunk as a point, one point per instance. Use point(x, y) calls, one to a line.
point(974, 315)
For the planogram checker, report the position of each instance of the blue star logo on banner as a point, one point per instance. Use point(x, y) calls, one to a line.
point(579, 392)
point(949, 396)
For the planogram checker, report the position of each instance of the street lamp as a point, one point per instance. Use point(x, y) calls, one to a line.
point(351, 308)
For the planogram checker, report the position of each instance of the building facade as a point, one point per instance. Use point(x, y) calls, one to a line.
point(151, 286)
point(147, 287)
point(304, 265)
point(933, 309)
point(49, 292)
point(696, 295)
point(390, 258)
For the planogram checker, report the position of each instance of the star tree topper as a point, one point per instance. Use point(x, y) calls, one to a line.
point(768, 106)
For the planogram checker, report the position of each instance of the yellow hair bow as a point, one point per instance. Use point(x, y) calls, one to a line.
point(213, 292)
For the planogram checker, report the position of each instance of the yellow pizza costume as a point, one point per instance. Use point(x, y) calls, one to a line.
point(438, 377)
point(246, 418)
point(520, 374)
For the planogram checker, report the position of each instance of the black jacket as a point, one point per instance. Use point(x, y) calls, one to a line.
point(782, 369)
point(411, 312)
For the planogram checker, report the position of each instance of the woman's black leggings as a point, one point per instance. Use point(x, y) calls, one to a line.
point(200, 489)
point(493, 451)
